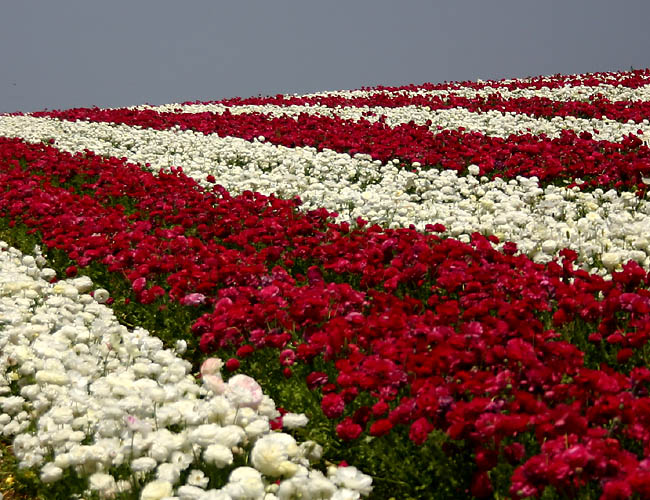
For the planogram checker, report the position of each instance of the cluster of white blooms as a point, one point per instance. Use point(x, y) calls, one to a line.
point(80, 391)
point(606, 228)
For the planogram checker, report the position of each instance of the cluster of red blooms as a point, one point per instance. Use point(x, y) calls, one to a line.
point(600, 163)
point(440, 334)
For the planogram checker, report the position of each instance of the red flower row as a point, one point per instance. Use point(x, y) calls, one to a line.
point(439, 334)
point(600, 163)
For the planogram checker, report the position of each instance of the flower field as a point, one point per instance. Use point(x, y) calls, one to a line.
point(428, 291)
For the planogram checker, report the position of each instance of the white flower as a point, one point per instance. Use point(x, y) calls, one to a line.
point(168, 472)
point(473, 169)
point(271, 454)
point(215, 495)
point(311, 451)
point(346, 494)
point(244, 391)
point(134, 424)
point(101, 295)
point(12, 404)
point(245, 482)
point(51, 473)
point(181, 460)
point(294, 420)
point(218, 455)
point(204, 434)
point(104, 483)
point(229, 435)
point(189, 492)
point(256, 428)
point(143, 464)
point(611, 260)
point(197, 478)
point(353, 478)
point(156, 490)
point(180, 347)
point(51, 377)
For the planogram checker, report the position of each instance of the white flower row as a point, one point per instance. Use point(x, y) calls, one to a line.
point(603, 227)
point(80, 391)
point(566, 93)
point(491, 123)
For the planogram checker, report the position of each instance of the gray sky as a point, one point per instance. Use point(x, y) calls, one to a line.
point(109, 53)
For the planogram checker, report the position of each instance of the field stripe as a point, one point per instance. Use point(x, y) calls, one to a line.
point(540, 220)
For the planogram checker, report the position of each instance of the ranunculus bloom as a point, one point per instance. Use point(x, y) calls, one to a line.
point(232, 364)
point(155, 490)
point(380, 427)
point(211, 366)
point(193, 299)
point(420, 430)
point(348, 429)
point(332, 405)
point(244, 391)
point(215, 383)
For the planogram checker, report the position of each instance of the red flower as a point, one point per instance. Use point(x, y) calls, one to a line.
point(380, 427)
point(420, 430)
point(232, 364)
point(332, 405)
point(245, 350)
point(616, 490)
point(314, 379)
point(380, 408)
point(348, 430)
point(481, 485)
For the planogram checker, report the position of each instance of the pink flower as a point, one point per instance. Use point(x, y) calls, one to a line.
point(215, 383)
point(193, 299)
point(211, 366)
point(244, 391)
point(139, 284)
point(287, 357)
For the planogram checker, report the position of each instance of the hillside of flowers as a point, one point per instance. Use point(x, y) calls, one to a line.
point(427, 291)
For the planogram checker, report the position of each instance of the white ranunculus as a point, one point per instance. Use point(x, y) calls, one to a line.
point(143, 464)
point(168, 472)
point(245, 482)
point(218, 455)
point(271, 454)
point(101, 295)
point(294, 420)
point(353, 478)
point(51, 377)
point(257, 428)
point(197, 478)
point(346, 494)
point(244, 391)
point(156, 490)
point(189, 492)
point(12, 404)
point(51, 473)
point(103, 483)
